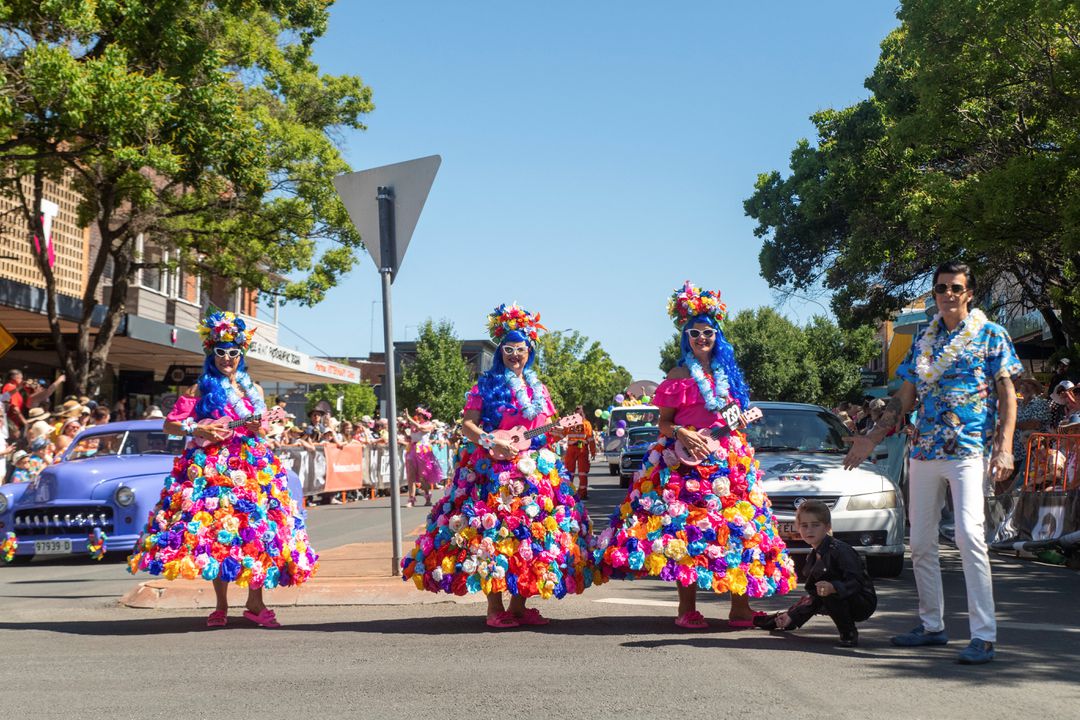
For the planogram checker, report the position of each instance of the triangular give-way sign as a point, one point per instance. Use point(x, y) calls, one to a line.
point(410, 181)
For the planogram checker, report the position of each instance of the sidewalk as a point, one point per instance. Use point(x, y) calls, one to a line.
point(356, 574)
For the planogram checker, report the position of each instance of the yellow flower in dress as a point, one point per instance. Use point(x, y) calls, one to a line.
point(675, 549)
point(654, 563)
point(737, 581)
point(447, 564)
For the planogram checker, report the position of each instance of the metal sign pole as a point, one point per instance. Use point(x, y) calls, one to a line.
point(385, 198)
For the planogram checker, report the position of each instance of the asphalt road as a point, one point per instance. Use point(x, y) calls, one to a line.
point(612, 652)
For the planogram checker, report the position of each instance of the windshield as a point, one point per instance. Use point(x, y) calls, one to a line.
point(634, 417)
point(801, 429)
point(642, 435)
point(133, 442)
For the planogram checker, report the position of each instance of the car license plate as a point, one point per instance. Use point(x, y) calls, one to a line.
point(788, 531)
point(52, 547)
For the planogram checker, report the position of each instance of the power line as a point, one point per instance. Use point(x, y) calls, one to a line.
point(323, 352)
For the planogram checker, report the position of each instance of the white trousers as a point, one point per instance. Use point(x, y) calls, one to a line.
point(966, 479)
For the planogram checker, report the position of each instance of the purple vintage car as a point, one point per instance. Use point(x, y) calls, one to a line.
point(110, 478)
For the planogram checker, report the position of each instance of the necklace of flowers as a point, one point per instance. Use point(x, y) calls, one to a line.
point(930, 372)
point(714, 397)
point(236, 402)
point(529, 408)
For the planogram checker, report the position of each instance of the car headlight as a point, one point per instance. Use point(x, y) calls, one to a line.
point(124, 496)
point(3, 503)
point(872, 501)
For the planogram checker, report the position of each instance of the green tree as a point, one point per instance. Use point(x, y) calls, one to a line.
point(204, 127)
point(781, 361)
point(439, 377)
point(969, 147)
point(356, 400)
point(577, 372)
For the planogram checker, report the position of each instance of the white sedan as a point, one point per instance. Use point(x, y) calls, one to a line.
point(801, 451)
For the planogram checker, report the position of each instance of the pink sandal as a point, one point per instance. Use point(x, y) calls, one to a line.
point(218, 618)
point(692, 620)
point(532, 616)
point(740, 624)
point(502, 621)
point(264, 619)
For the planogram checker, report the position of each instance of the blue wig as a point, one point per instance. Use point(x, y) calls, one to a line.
point(723, 353)
point(494, 390)
point(213, 402)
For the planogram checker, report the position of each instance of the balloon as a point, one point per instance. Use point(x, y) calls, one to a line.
point(621, 423)
point(598, 412)
point(645, 398)
point(607, 414)
point(619, 398)
point(619, 432)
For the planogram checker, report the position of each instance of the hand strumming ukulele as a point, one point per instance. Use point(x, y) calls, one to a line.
point(275, 415)
point(520, 439)
point(731, 416)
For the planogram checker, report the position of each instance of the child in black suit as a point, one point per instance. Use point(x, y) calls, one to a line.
point(837, 583)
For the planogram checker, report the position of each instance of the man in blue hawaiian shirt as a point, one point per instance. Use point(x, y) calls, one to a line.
point(959, 375)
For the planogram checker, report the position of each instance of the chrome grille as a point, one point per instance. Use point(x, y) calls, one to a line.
point(785, 504)
point(76, 520)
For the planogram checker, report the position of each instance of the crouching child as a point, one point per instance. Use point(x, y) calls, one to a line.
point(837, 583)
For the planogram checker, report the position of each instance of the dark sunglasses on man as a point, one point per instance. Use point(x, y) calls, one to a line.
point(954, 288)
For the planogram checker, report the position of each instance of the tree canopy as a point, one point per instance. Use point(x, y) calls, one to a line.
point(438, 378)
point(577, 372)
point(205, 128)
point(968, 148)
point(819, 363)
point(356, 400)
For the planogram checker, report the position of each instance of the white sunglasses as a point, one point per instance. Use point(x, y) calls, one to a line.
point(230, 353)
point(706, 333)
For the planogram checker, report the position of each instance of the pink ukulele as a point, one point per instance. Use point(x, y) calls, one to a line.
point(275, 415)
point(520, 439)
point(731, 416)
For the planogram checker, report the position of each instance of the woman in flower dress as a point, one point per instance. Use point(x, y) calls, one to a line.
point(510, 522)
point(710, 525)
point(225, 513)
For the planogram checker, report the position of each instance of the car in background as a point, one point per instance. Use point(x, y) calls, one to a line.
point(639, 441)
point(632, 416)
point(801, 450)
point(110, 477)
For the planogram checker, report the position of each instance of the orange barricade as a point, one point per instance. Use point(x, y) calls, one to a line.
point(344, 467)
point(1052, 461)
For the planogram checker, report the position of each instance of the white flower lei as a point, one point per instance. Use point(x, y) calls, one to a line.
point(236, 401)
point(714, 399)
point(930, 372)
point(529, 408)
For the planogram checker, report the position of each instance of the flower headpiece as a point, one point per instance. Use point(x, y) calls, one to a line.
point(506, 319)
point(423, 412)
point(690, 301)
point(222, 326)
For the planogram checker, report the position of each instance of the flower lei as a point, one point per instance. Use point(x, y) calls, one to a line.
point(8, 547)
point(715, 398)
point(95, 544)
point(930, 372)
point(529, 408)
point(236, 402)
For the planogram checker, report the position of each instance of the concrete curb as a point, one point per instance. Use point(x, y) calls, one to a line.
point(356, 574)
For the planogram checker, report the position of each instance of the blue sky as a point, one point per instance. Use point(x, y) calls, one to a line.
point(595, 155)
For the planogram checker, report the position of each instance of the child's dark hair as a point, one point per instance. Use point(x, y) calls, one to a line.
point(818, 509)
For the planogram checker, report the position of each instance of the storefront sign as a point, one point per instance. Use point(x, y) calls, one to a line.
point(276, 354)
point(335, 370)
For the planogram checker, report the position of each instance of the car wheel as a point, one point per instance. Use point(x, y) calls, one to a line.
point(613, 469)
point(885, 566)
point(624, 481)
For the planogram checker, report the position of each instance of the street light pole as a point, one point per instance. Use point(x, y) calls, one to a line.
point(385, 198)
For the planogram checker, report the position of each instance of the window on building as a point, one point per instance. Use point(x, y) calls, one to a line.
point(151, 278)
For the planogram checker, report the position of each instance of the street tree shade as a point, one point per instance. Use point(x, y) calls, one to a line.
point(205, 128)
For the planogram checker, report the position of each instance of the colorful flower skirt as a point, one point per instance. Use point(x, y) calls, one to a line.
point(421, 465)
point(225, 514)
point(505, 526)
point(708, 525)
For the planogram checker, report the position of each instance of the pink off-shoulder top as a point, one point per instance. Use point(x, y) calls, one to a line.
point(683, 395)
point(511, 416)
